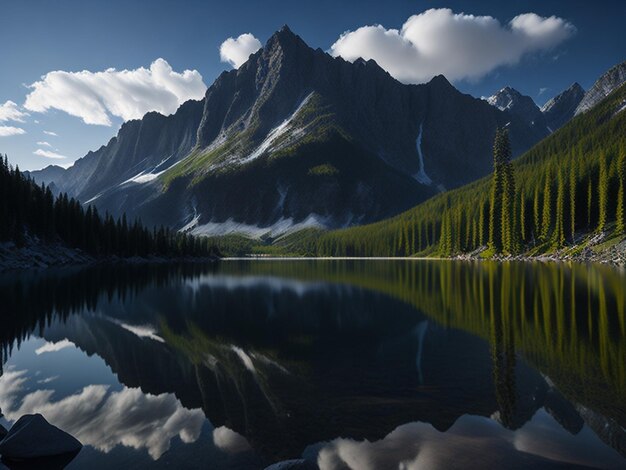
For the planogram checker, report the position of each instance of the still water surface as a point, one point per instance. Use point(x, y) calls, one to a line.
point(349, 364)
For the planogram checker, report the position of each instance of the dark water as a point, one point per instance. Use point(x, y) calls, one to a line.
point(349, 364)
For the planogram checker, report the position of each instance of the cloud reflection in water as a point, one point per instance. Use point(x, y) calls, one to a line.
point(104, 419)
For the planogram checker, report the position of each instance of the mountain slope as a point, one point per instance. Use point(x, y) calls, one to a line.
point(293, 138)
point(608, 82)
point(521, 106)
point(568, 186)
point(560, 109)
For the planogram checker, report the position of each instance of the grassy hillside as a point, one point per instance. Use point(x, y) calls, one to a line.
point(568, 186)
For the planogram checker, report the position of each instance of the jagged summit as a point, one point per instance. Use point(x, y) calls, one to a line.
point(510, 100)
point(560, 109)
point(608, 82)
point(293, 138)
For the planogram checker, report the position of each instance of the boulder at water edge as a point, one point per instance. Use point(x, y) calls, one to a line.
point(32, 437)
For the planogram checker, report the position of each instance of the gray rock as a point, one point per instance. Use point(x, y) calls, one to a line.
point(32, 437)
point(560, 109)
point(609, 81)
point(296, 464)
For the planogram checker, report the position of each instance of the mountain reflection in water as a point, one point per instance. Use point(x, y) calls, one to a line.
point(350, 364)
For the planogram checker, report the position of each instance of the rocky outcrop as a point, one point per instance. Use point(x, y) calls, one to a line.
point(608, 82)
point(33, 439)
point(560, 109)
point(512, 101)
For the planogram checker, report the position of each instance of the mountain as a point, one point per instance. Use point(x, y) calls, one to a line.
point(608, 82)
point(295, 138)
point(49, 173)
point(583, 163)
point(560, 109)
point(522, 106)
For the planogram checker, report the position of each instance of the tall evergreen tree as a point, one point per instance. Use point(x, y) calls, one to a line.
point(603, 195)
point(620, 212)
point(497, 191)
point(546, 219)
point(559, 228)
point(573, 180)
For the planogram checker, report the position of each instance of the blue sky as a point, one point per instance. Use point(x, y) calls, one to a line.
point(38, 37)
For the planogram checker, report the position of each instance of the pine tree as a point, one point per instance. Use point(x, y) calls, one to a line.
point(536, 214)
point(603, 195)
point(620, 213)
point(546, 220)
point(559, 229)
point(522, 218)
point(589, 203)
point(573, 179)
point(497, 191)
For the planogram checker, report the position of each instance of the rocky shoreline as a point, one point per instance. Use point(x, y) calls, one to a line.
point(42, 256)
point(590, 252)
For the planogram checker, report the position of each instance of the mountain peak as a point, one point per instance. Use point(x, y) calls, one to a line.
point(440, 81)
point(284, 36)
point(609, 81)
point(561, 108)
point(522, 106)
point(508, 98)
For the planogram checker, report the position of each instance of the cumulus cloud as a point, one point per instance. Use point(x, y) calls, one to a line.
point(49, 347)
point(236, 51)
point(9, 111)
point(459, 46)
point(43, 143)
point(230, 441)
point(475, 439)
point(6, 131)
point(64, 343)
point(96, 97)
point(104, 419)
point(53, 134)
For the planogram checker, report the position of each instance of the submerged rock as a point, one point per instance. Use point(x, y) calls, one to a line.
point(32, 437)
point(296, 464)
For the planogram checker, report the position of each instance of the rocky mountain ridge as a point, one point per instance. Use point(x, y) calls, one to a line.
point(295, 138)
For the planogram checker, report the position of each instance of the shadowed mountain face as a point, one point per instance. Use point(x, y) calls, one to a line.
point(521, 106)
point(295, 136)
point(290, 355)
point(560, 109)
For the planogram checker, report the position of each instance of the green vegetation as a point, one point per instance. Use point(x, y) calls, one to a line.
point(570, 183)
point(325, 169)
point(28, 210)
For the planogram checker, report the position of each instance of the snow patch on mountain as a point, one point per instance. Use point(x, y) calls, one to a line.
point(146, 176)
point(276, 133)
point(281, 227)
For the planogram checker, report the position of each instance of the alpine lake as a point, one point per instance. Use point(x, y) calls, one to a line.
point(362, 364)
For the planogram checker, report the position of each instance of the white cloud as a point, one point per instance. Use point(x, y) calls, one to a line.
point(459, 46)
point(230, 441)
point(129, 94)
point(54, 134)
point(43, 143)
point(64, 343)
point(105, 419)
point(9, 111)
point(236, 51)
point(542, 90)
point(56, 156)
point(6, 131)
